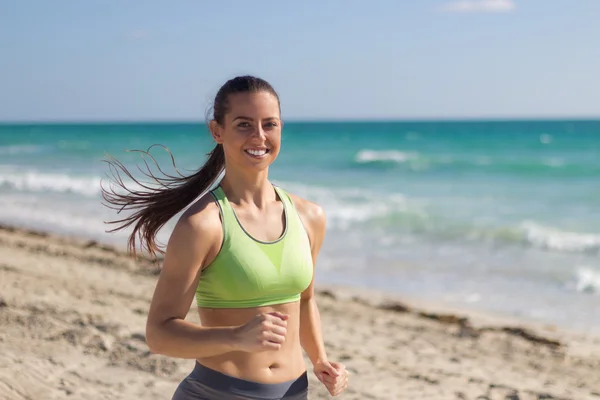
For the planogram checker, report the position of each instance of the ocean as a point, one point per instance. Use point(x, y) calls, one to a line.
point(500, 216)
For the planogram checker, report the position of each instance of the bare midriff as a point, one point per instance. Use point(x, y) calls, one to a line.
point(272, 366)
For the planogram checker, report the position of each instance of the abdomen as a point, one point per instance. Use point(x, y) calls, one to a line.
point(268, 366)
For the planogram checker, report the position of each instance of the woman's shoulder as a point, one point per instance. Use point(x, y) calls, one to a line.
point(196, 234)
point(310, 212)
point(201, 218)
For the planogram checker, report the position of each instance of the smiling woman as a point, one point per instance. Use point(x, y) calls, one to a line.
point(246, 250)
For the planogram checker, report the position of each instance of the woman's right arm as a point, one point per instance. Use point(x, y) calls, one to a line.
point(167, 332)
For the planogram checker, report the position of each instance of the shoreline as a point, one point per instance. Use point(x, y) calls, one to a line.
point(77, 307)
point(361, 294)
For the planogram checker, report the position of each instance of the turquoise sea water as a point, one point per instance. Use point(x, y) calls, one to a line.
point(501, 216)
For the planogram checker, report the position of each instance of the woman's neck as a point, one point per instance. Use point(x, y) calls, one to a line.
point(248, 188)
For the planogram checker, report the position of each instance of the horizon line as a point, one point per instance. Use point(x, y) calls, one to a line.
point(305, 120)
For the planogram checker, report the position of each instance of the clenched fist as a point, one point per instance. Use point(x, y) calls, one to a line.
point(264, 332)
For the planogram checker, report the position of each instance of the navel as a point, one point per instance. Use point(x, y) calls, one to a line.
point(274, 366)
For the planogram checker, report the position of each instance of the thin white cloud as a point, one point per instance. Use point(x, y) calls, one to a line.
point(481, 6)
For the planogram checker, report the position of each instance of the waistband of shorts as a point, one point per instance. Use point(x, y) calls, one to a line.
point(253, 390)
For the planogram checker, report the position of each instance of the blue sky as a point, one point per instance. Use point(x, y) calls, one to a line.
point(334, 59)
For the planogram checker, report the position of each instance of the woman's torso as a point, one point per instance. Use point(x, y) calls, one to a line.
point(261, 264)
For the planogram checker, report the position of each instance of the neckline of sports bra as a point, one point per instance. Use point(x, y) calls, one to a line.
point(285, 215)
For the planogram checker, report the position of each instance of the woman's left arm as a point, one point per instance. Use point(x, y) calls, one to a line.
point(311, 336)
point(332, 374)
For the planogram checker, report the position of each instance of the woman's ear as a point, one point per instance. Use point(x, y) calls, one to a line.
point(216, 131)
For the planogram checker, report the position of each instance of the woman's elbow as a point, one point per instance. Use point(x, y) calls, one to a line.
point(154, 339)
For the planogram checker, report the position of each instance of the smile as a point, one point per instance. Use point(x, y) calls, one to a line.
point(257, 153)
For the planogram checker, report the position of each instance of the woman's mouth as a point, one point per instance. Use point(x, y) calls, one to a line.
point(257, 153)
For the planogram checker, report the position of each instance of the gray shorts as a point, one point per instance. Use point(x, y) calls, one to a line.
point(207, 384)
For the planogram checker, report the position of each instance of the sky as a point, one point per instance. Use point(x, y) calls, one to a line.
point(110, 60)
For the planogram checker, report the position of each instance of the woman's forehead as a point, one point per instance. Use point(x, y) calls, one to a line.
point(253, 105)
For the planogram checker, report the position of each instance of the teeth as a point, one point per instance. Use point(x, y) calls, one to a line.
point(257, 152)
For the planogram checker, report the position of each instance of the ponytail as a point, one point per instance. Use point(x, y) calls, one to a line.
point(155, 206)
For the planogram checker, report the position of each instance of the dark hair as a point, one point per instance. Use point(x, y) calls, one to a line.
point(155, 206)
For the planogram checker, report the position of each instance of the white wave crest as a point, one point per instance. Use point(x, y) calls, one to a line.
point(587, 280)
point(36, 181)
point(50, 182)
point(555, 239)
point(369, 156)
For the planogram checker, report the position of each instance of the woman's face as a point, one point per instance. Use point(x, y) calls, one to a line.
point(251, 133)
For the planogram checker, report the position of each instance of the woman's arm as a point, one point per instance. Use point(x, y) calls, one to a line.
point(311, 336)
point(193, 239)
point(332, 374)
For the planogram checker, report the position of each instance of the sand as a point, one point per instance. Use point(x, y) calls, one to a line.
point(72, 316)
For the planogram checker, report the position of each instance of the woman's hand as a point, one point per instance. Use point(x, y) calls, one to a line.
point(333, 375)
point(264, 332)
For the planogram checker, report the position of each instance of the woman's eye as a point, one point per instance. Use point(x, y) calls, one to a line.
point(248, 125)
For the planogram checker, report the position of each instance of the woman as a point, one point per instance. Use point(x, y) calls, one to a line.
point(246, 250)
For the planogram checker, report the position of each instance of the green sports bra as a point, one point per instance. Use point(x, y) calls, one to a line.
point(251, 273)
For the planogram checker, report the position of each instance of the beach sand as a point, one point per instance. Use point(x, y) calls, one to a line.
point(72, 318)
